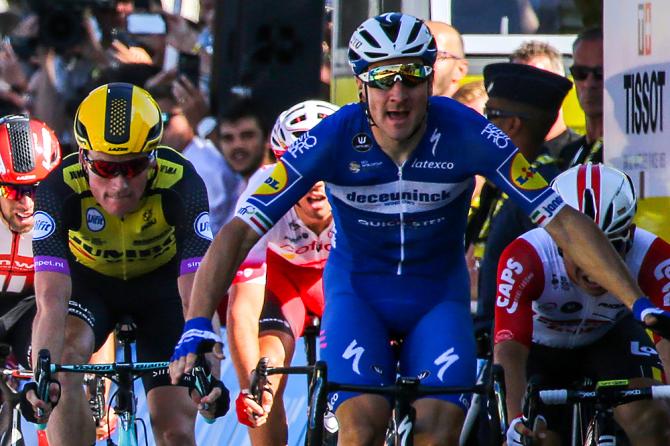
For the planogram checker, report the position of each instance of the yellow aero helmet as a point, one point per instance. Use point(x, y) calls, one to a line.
point(118, 119)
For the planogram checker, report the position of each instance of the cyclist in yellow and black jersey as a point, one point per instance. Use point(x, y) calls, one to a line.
point(170, 226)
point(120, 229)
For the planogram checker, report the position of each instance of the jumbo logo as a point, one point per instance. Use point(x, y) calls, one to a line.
point(275, 182)
point(524, 175)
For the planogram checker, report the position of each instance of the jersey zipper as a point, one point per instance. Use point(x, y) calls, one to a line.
point(402, 220)
point(123, 250)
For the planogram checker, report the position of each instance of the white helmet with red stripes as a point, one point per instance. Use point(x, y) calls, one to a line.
point(603, 193)
point(297, 120)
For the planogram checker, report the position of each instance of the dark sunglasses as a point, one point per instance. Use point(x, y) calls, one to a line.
point(409, 74)
point(581, 72)
point(17, 191)
point(110, 169)
point(492, 113)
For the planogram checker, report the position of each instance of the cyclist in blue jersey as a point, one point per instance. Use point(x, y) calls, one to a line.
point(399, 170)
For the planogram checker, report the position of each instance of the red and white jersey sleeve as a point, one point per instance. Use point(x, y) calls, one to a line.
point(563, 315)
point(16, 262)
point(520, 280)
point(289, 237)
point(654, 276)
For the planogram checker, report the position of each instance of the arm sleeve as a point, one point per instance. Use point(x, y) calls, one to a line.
point(520, 280)
point(50, 232)
point(496, 158)
point(305, 162)
point(654, 275)
point(193, 230)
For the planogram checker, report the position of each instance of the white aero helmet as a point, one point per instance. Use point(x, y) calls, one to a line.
point(295, 121)
point(603, 193)
point(389, 36)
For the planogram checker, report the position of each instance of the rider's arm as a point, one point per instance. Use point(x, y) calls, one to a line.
point(52, 292)
point(218, 267)
point(245, 302)
point(579, 237)
point(654, 279)
point(520, 280)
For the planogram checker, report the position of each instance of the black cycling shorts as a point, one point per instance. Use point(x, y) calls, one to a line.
point(152, 301)
point(625, 352)
point(17, 314)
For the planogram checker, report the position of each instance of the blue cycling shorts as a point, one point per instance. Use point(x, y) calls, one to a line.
point(364, 312)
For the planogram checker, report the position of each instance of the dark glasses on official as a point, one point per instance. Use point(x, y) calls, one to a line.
point(581, 72)
point(110, 169)
point(17, 191)
point(409, 74)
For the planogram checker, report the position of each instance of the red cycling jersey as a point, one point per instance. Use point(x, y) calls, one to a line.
point(16, 262)
point(537, 302)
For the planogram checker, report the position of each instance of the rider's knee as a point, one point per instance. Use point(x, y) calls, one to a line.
point(175, 435)
point(651, 419)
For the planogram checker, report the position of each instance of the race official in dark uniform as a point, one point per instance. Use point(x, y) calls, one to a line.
point(523, 102)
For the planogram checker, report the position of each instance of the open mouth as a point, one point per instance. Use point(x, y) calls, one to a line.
point(24, 215)
point(315, 199)
point(397, 115)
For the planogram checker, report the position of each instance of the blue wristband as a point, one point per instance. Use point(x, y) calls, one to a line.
point(640, 307)
point(198, 323)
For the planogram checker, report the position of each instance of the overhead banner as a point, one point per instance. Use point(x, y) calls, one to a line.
point(637, 62)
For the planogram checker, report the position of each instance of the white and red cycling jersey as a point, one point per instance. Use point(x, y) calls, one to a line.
point(537, 302)
point(290, 239)
point(16, 261)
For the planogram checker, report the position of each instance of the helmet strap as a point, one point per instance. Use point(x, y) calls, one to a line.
point(366, 106)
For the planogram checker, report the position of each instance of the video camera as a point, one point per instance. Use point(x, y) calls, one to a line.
point(61, 23)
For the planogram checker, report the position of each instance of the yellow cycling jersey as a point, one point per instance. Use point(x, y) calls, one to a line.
point(171, 224)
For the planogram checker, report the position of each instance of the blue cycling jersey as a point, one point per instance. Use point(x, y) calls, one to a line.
point(400, 219)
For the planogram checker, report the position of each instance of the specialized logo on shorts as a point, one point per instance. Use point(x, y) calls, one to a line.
point(355, 351)
point(445, 360)
point(524, 175)
point(506, 283)
point(497, 136)
point(44, 225)
point(95, 221)
point(302, 144)
point(202, 227)
point(275, 182)
point(362, 142)
point(354, 167)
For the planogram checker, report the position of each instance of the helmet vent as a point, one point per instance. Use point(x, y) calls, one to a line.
point(415, 31)
point(118, 117)
point(23, 159)
point(118, 114)
point(589, 204)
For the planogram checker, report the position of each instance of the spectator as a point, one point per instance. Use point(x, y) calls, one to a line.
point(177, 132)
point(543, 55)
point(473, 94)
point(587, 72)
point(523, 102)
point(450, 65)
